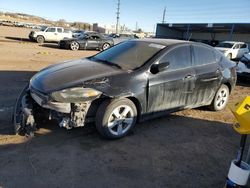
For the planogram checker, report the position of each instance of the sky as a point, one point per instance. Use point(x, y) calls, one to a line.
point(147, 13)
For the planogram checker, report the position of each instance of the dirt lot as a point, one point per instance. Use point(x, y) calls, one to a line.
point(192, 148)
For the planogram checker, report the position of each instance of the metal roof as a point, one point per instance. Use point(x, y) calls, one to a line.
point(238, 28)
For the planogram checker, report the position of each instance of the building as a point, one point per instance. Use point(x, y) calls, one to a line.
point(98, 28)
point(205, 32)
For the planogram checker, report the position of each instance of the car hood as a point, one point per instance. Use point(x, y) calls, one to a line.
point(70, 74)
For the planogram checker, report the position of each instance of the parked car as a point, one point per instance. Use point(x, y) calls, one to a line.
point(50, 34)
point(122, 37)
point(233, 50)
point(78, 33)
point(243, 67)
point(90, 40)
point(129, 82)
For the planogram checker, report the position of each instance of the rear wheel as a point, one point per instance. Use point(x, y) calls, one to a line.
point(220, 99)
point(40, 39)
point(115, 118)
point(74, 46)
point(105, 46)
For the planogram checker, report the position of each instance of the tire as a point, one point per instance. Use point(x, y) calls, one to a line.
point(105, 46)
point(229, 56)
point(220, 99)
point(74, 46)
point(110, 121)
point(40, 39)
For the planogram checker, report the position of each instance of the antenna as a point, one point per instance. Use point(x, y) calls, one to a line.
point(118, 16)
point(164, 14)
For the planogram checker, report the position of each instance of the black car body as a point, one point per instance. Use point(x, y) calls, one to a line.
point(89, 41)
point(243, 66)
point(130, 82)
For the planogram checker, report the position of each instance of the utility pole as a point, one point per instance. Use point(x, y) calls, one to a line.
point(136, 26)
point(164, 14)
point(118, 16)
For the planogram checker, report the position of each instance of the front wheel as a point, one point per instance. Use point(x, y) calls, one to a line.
point(220, 99)
point(115, 118)
point(229, 56)
point(105, 46)
point(40, 39)
point(74, 46)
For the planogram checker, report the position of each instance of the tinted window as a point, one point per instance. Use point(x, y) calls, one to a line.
point(94, 37)
point(129, 55)
point(243, 46)
point(225, 45)
point(218, 55)
point(203, 55)
point(59, 30)
point(237, 46)
point(51, 29)
point(178, 58)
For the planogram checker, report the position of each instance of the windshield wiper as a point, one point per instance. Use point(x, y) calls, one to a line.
point(106, 62)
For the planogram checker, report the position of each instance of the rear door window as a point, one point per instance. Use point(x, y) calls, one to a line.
point(59, 30)
point(178, 58)
point(243, 46)
point(203, 55)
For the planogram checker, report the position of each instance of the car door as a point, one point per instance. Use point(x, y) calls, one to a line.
point(236, 51)
point(208, 74)
point(60, 34)
point(51, 34)
point(93, 41)
point(169, 89)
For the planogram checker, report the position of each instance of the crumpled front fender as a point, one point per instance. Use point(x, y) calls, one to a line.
point(23, 119)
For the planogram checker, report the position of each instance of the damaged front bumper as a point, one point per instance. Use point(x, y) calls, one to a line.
point(32, 107)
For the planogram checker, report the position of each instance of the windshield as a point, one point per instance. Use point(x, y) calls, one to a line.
point(225, 45)
point(43, 28)
point(129, 55)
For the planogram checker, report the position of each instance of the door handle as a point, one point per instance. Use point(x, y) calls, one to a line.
point(188, 77)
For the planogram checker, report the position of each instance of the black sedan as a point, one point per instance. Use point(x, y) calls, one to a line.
point(89, 41)
point(243, 66)
point(130, 82)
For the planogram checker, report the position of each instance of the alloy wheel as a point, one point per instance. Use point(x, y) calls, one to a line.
point(120, 120)
point(221, 98)
point(74, 46)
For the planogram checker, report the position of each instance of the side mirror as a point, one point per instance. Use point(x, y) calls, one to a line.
point(159, 67)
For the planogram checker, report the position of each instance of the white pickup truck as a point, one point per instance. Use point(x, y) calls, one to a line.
point(50, 34)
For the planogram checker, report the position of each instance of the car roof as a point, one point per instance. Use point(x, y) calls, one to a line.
point(165, 42)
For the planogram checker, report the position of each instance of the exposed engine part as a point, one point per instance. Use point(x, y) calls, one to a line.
point(77, 116)
point(65, 123)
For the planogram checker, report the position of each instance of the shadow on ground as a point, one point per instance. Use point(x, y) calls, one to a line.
point(19, 39)
point(52, 45)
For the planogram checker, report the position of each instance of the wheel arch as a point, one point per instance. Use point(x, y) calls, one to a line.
point(137, 105)
point(228, 84)
point(96, 103)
